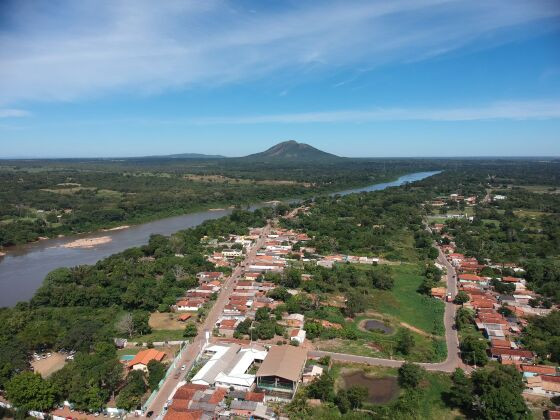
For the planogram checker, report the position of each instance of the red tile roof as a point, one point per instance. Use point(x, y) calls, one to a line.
point(254, 396)
point(145, 356)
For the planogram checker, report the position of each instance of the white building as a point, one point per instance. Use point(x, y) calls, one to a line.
point(228, 367)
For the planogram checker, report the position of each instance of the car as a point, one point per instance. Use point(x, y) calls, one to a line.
point(149, 414)
point(183, 367)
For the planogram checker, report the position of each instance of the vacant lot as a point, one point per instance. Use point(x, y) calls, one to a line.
point(46, 367)
point(407, 305)
point(166, 321)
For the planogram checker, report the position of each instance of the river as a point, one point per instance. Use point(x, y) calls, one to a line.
point(24, 267)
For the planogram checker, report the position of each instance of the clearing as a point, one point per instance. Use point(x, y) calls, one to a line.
point(46, 367)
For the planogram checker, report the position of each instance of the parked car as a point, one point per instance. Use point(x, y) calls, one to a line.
point(149, 414)
point(183, 367)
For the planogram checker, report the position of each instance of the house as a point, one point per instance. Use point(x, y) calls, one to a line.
point(439, 292)
point(534, 370)
point(191, 305)
point(281, 371)
point(311, 372)
point(206, 276)
point(184, 317)
point(293, 320)
point(232, 253)
point(298, 336)
point(502, 354)
point(545, 385)
point(470, 278)
point(227, 326)
point(142, 358)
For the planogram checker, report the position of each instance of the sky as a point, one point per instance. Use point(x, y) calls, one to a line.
point(110, 78)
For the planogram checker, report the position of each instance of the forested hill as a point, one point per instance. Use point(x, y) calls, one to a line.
point(294, 151)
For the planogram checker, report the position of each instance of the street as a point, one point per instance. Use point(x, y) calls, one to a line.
point(198, 342)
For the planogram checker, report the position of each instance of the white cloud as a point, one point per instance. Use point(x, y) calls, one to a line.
point(524, 110)
point(95, 47)
point(13, 113)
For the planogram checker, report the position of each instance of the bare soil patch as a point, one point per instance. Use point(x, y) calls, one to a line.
point(46, 367)
point(166, 321)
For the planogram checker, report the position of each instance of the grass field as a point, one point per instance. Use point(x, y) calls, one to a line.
point(407, 305)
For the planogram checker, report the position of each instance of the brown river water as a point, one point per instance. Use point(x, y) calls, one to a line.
point(24, 267)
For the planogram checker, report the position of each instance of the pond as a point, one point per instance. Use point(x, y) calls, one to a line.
point(380, 390)
point(375, 325)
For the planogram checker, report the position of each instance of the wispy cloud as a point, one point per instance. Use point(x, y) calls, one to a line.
point(529, 110)
point(95, 47)
point(13, 113)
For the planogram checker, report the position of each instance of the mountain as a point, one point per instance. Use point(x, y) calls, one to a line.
point(293, 151)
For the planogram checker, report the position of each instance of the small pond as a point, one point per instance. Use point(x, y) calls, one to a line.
point(380, 390)
point(375, 325)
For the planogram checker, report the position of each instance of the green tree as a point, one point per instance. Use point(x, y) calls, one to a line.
point(29, 391)
point(405, 341)
point(156, 372)
point(461, 298)
point(473, 350)
point(356, 302)
point(410, 375)
point(190, 330)
point(461, 393)
point(322, 387)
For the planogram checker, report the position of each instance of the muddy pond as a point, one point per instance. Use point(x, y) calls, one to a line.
point(376, 325)
point(380, 390)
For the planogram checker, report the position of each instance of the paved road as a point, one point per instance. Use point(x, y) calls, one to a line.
point(198, 342)
point(451, 362)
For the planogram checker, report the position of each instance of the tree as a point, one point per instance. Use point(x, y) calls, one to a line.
point(126, 325)
point(190, 330)
point(356, 302)
point(140, 321)
point(405, 341)
point(130, 396)
point(473, 351)
point(461, 298)
point(29, 391)
point(382, 279)
point(464, 318)
point(357, 394)
point(460, 394)
point(262, 314)
point(156, 372)
point(410, 375)
point(498, 394)
point(322, 387)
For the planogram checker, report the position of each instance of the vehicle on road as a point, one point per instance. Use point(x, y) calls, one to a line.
point(183, 367)
point(149, 414)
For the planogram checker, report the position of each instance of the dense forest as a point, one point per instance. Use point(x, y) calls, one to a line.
point(46, 198)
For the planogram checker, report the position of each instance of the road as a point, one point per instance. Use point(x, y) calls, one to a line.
point(198, 342)
point(453, 359)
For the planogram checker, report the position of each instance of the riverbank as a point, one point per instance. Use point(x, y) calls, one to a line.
point(24, 268)
point(216, 206)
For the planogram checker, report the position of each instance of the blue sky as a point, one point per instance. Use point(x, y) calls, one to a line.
point(356, 78)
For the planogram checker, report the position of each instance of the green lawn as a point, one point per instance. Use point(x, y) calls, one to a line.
point(407, 305)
